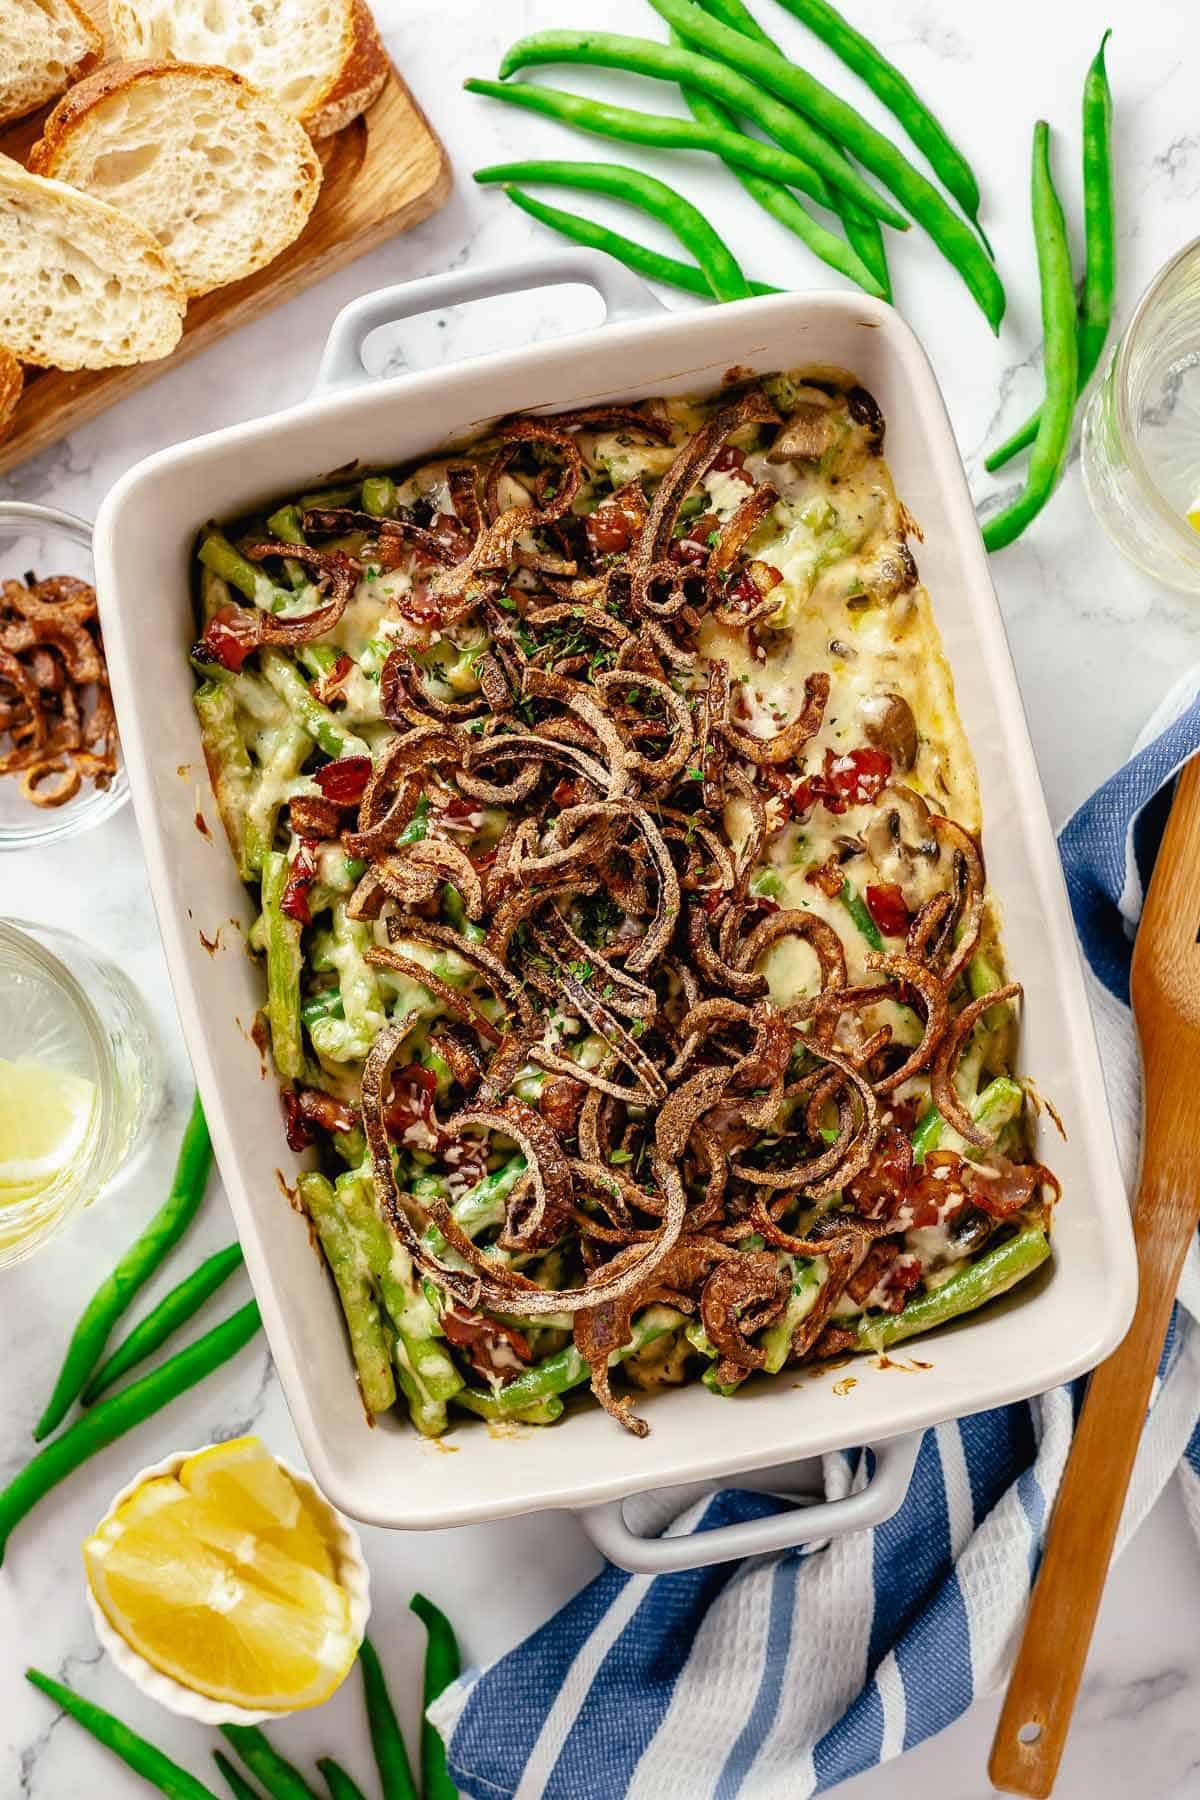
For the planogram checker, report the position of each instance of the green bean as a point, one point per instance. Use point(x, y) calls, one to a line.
point(136, 1266)
point(237, 1784)
point(374, 1245)
point(862, 227)
point(284, 967)
point(542, 1412)
point(320, 498)
point(341, 1786)
point(953, 237)
point(898, 95)
point(287, 525)
point(230, 772)
point(172, 1311)
point(856, 906)
point(661, 130)
point(1061, 356)
point(134, 1751)
point(927, 1134)
point(662, 62)
point(990, 1275)
point(111, 1418)
point(567, 1368)
point(443, 1664)
point(651, 263)
point(359, 1305)
point(1100, 245)
point(219, 555)
point(391, 1758)
point(655, 197)
point(781, 203)
point(379, 495)
point(281, 1780)
point(322, 725)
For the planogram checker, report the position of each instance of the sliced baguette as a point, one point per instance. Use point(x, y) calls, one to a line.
point(221, 175)
point(85, 287)
point(321, 59)
point(12, 380)
point(44, 45)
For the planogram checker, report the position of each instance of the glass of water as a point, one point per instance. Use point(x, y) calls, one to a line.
point(1141, 431)
point(79, 1079)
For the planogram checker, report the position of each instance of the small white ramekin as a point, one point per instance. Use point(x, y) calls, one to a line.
point(352, 1575)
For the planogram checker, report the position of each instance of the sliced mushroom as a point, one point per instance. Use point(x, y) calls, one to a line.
point(903, 844)
point(888, 723)
point(808, 431)
point(892, 570)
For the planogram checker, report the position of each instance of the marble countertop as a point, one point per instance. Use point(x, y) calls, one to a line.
point(1095, 646)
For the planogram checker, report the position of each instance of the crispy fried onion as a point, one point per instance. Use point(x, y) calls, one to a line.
point(786, 744)
point(941, 1076)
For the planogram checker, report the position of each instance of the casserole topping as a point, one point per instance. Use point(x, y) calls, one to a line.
point(628, 950)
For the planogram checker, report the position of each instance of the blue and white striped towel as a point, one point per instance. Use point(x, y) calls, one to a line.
point(790, 1674)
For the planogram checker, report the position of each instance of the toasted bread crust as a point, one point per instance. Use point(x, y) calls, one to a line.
point(364, 70)
point(12, 380)
point(101, 85)
point(88, 60)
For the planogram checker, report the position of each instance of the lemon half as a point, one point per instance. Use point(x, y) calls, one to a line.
point(222, 1578)
point(44, 1118)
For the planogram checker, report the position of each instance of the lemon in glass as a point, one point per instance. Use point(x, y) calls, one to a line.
point(221, 1576)
point(44, 1118)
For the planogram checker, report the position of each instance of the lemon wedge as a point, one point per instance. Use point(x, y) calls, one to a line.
point(1193, 515)
point(44, 1117)
point(243, 1479)
point(224, 1581)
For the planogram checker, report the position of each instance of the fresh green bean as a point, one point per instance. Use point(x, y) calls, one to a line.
point(862, 227)
point(898, 95)
point(662, 62)
point(134, 1751)
point(953, 237)
point(543, 1412)
point(856, 906)
point(1061, 356)
point(281, 1780)
point(1100, 245)
point(146, 1254)
point(284, 964)
point(778, 200)
point(359, 1305)
point(172, 1311)
point(651, 263)
point(111, 1418)
point(391, 1758)
point(443, 1664)
point(645, 191)
point(970, 1286)
point(661, 130)
point(236, 1782)
point(341, 1786)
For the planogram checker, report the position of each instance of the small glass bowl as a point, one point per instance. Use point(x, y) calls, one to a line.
point(48, 542)
point(1141, 430)
point(65, 1005)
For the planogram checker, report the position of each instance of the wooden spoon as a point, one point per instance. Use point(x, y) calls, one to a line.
point(1041, 1694)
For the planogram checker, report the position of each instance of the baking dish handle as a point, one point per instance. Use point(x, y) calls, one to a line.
point(625, 296)
point(808, 1522)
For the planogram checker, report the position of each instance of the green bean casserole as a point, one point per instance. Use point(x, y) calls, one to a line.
point(630, 967)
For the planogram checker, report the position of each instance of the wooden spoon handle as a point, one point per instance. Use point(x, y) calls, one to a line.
point(1062, 1613)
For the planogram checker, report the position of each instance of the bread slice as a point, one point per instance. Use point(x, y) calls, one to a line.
point(321, 59)
point(85, 286)
point(221, 175)
point(44, 45)
point(12, 380)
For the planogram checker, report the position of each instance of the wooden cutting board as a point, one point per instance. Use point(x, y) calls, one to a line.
point(386, 171)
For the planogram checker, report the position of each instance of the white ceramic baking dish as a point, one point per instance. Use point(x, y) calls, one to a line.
point(1059, 1325)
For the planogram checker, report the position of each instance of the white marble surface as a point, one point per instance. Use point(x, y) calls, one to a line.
point(1095, 646)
